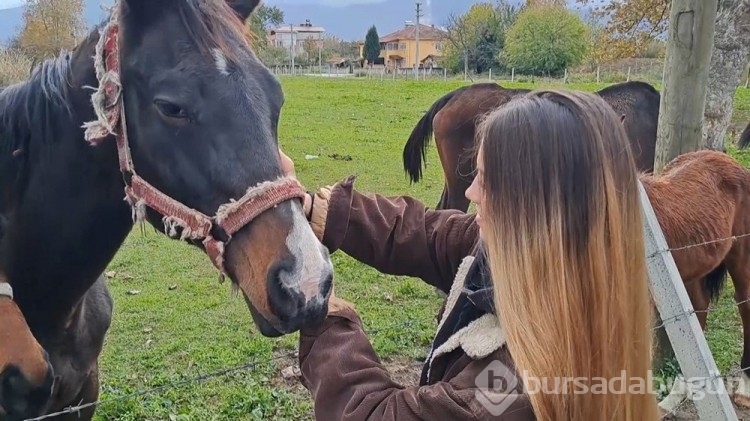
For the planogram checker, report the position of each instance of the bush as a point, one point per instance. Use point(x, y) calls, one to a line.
point(14, 66)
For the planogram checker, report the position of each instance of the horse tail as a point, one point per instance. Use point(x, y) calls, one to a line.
point(715, 281)
point(744, 138)
point(416, 147)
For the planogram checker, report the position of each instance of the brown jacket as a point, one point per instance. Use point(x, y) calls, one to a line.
point(400, 236)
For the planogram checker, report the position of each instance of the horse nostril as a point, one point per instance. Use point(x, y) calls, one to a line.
point(327, 284)
point(19, 397)
point(283, 301)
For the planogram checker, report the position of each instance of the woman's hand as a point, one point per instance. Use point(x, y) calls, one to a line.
point(287, 168)
point(336, 304)
point(287, 165)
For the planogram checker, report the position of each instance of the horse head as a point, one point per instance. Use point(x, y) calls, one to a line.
point(195, 117)
point(26, 376)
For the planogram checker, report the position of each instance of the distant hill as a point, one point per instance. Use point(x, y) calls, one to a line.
point(347, 21)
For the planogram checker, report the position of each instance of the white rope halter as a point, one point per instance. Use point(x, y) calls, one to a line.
point(6, 290)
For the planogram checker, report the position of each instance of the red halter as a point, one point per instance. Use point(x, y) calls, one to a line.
point(231, 217)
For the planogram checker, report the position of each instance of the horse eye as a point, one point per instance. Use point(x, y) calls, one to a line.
point(167, 109)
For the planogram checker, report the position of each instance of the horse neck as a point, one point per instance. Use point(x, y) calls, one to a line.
point(67, 218)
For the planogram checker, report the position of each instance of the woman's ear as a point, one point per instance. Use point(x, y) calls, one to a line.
point(243, 8)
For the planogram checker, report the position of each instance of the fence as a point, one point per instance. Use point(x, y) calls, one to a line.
point(649, 70)
point(677, 315)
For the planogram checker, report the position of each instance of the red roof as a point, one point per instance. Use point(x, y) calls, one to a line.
point(410, 32)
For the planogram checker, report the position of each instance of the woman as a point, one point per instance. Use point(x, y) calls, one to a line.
point(547, 282)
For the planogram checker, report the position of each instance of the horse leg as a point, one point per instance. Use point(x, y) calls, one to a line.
point(89, 393)
point(700, 300)
point(443, 203)
point(740, 274)
point(457, 195)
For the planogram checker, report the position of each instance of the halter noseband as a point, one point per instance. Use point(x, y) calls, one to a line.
point(6, 290)
point(230, 217)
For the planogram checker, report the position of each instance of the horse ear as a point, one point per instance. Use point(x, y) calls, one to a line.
point(243, 8)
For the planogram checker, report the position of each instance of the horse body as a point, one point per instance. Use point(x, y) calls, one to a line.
point(199, 121)
point(453, 119)
point(699, 198)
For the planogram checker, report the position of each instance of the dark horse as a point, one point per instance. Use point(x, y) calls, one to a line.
point(744, 137)
point(453, 119)
point(174, 91)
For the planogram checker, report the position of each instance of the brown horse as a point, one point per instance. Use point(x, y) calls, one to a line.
point(453, 119)
point(26, 376)
point(744, 137)
point(699, 198)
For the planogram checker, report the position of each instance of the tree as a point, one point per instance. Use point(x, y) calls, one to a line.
point(546, 39)
point(478, 37)
point(729, 60)
point(50, 26)
point(545, 3)
point(372, 45)
point(262, 20)
point(312, 48)
point(633, 26)
point(597, 51)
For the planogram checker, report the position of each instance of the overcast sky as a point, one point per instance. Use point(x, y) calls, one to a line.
point(7, 4)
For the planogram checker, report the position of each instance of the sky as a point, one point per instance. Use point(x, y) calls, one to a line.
point(7, 4)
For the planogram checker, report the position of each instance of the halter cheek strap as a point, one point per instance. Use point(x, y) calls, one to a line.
point(6, 290)
point(194, 225)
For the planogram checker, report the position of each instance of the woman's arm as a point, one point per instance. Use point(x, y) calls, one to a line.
point(395, 235)
point(348, 382)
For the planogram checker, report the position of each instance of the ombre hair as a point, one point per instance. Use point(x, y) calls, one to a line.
point(563, 232)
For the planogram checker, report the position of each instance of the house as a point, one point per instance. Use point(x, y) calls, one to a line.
point(287, 35)
point(399, 49)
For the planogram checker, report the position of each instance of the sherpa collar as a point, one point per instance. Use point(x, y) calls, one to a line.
point(468, 320)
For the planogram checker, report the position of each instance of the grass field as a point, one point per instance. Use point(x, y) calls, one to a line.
point(174, 321)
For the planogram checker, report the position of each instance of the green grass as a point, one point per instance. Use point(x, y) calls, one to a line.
point(163, 335)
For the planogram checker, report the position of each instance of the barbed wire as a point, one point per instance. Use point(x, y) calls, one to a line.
point(702, 244)
point(249, 367)
point(255, 364)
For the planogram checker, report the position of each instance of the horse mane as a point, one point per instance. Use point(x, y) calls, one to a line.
point(212, 25)
point(33, 102)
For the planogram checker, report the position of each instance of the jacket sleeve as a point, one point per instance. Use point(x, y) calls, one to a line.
point(347, 382)
point(395, 235)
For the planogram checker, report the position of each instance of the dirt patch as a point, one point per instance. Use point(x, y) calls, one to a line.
point(688, 412)
point(404, 371)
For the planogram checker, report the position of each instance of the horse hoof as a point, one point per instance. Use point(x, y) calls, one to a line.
point(743, 401)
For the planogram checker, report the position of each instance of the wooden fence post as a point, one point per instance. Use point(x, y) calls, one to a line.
point(689, 47)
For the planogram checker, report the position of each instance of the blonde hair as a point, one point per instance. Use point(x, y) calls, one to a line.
point(564, 239)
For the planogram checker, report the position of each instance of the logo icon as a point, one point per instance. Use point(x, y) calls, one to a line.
point(495, 385)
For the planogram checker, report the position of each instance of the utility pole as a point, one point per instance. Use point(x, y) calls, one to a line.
point(416, 63)
point(320, 55)
point(689, 47)
point(291, 44)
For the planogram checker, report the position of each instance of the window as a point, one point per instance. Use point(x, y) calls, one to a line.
point(439, 46)
point(402, 46)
